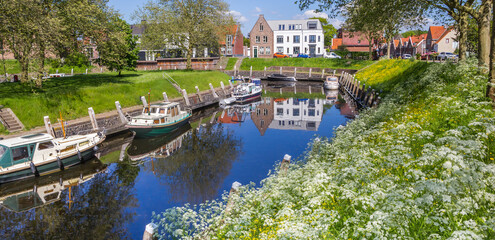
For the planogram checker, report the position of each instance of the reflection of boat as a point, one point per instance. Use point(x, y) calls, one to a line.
point(41, 154)
point(161, 146)
point(331, 96)
point(281, 84)
point(279, 99)
point(243, 93)
point(157, 119)
point(28, 194)
point(331, 83)
point(237, 113)
point(280, 77)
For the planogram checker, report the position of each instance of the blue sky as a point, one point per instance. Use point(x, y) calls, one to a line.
point(246, 11)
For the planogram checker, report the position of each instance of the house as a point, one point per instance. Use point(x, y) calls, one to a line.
point(294, 114)
point(441, 39)
point(419, 43)
point(261, 39)
point(231, 41)
point(289, 37)
point(354, 41)
point(336, 43)
point(263, 115)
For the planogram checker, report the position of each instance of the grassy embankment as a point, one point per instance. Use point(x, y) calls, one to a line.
point(420, 166)
point(73, 95)
point(259, 64)
point(231, 63)
point(13, 67)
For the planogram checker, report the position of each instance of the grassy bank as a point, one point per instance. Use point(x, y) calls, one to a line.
point(259, 64)
point(73, 95)
point(13, 67)
point(420, 166)
point(231, 63)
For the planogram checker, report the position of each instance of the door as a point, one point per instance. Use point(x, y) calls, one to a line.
point(255, 52)
point(312, 50)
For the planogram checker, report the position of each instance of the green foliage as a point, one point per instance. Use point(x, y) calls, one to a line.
point(231, 63)
point(77, 59)
point(246, 42)
point(73, 95)
point(260, 63)
point(328, 30)
point(413, 33)
point(12, 67)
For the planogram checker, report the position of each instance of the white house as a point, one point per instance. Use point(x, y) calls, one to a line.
point(293, 114)
point(292, 37)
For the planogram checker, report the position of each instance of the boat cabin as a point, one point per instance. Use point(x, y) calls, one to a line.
point(22, 149)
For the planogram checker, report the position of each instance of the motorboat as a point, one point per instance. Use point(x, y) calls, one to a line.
point(331, 83)
point(280, 77)
point(41, 154)
point(243, 93)
point(158, 119)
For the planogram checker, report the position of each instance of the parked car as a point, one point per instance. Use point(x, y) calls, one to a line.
point(302, 55)
point(331, 55)
point(406, 56)
point(428, 55)
point(446, 55)
point(280, 55)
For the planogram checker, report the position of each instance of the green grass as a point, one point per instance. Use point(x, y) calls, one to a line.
point(231, 63)
point(259, 64)
point(73, 95)
point(13, 67)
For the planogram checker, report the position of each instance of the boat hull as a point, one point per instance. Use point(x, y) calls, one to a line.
point(156, 130)
point(47, 168)
point(332, 86)
point(248, 98)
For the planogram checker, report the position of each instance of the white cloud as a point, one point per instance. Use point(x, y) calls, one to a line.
point(258, 9)
point(237, 16)
point(310, 14)
point(336, 22)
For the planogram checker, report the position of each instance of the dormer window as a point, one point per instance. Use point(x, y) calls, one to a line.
point(312, 25)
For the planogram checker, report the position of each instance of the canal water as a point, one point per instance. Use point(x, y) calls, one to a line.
point(113, 196)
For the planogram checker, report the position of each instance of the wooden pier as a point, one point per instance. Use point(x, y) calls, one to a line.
point(362, 96)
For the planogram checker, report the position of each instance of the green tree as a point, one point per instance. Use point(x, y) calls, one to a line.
point(246, 42)
point(490, 92)
point(328, 30)
point(117, 47)
point(413, 33)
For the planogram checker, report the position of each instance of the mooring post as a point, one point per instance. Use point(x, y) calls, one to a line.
point(143, 100)
point(72, 71)
point(280, 91)
point(295, 72)
point(86, 71)
point(160, 68)
point(56, 71)
point(280, 70)
point(212, 120)
point(215, 95)
point(165, 97)
point(123, 119)
point(309, 89)
point(92, 117)
point(251, 72)
point(233, 190)
point(310, 73)
point(199, 95)
point(285, 163)
point(231, 84)
point(101, 70)
point(48, 126)
point(186, 98)
point(323, 73)
point(264, 72)
point(223, 88)
point(322, 91)
point(235, 69)
point(149, 231)
point(295, 89)
point(334, 71)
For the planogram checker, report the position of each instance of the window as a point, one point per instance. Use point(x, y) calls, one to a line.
point(446, 40)
point(3, 151)
point(287, 111)
point(265, 112)
point(229, 39)
point(262, 50)
point(268, 52)
point(280, 111)
point(258, 111)
point(280, 39)
point(312, 38)
point(279, 27)
point(297, 39)
point(305, 38)
point(319, 38)
point(295, 112)
point(262, 123)
point(359, 41)
point(20, 153)
point(288, 51)
point(280, 49)
point(45, 145)
point(257, 39)
point(261, 26)
point(265, 39)
point(296, 50)
point(283, 27)
point(312, 25)
point(295, 102)
point(318, 50)
point(288, 38)
point(311, 112)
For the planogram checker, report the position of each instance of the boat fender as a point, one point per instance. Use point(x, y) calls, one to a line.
point(61, 181)
point(60, 163)
point(95, 148)
point(34, 170)
point(79, 155)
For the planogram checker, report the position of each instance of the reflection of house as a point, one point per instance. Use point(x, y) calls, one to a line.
point(294, 114)
point(263, 115)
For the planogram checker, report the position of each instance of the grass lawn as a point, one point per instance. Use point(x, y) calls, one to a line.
point(13, 67)
point(259, 64)
point(73, 95)
point(231, 63)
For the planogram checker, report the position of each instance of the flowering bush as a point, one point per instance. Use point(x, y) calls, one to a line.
point(420, 166)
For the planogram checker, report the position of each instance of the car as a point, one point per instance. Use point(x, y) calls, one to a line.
point(331, 55)
point(446, 55)
point(302, 55)
point(406, 56)
point(428, 55)
point(280, 55)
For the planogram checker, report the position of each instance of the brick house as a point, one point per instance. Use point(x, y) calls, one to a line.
point(261, 39)
point(419, 43)
point(441, 39)
point(231, 42)
point(263, 115)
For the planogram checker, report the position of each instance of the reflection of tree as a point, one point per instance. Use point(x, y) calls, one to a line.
point(196, 171)
point(127, 172)
point(98, 211)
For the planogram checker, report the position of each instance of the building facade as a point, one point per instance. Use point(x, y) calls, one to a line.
point(231, 42)
point(294, 114)
point(261, 39)
point(292, 37)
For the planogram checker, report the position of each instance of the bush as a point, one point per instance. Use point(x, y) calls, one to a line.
point(77, 59)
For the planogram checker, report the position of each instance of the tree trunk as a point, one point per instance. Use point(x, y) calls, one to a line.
point(388, 48)
point(189, 56)
point(370, 56)
point(41, 69)
point(463, 29)
point(484, 34)
point(491, 82)
point(24, 62)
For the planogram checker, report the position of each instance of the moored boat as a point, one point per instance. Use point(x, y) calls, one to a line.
point(158, 119)
point(243, 93)
point(41, 154)
point(331, 83)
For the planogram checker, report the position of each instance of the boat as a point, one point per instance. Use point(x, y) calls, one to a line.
point(160, 118)
point(243, 93)
point(41, 154)
point(331, 83)
point(280, 77)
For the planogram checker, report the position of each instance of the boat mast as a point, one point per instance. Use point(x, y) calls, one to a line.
point(149, 102)
point(62, 122)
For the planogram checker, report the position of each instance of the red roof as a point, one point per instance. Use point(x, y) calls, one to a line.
point(396, 43)
point(444, 34)
point(418, 39)
point(336, 42)
point(436, 31)
point(405, 40)
point(230, 30)
point(357, 48)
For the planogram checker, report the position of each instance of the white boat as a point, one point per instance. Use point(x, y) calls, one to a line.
point(331, 83)
point(243, 93)
point(41, 154)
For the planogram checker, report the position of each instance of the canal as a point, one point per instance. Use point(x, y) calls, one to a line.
point(113, 196)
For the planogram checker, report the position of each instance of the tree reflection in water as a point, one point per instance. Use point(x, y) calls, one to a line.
point(98, 211)
point(196, 171)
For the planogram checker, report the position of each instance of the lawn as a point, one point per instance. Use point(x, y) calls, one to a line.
point(259, 64)
point(73, 95)
point(13, 67)
point(231, 63)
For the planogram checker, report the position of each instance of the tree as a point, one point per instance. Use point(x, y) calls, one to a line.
point(328, 30)
point(117, 46)
point(246, 42)
point(491, 83)
point(184, 24)
point(412, 33)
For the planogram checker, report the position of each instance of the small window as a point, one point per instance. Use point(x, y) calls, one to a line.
point(280, 39)
point(268, 51)
point(288, 51)
point(146, 110)
point(262, 50)
point(257, 39)
point(312, 25)
point(311, 112)
point(288, 38)
point(261, 26)
point(446, 40)
point(295, 112)
point(20, 153)
point(156, 121)
point(262, 123)
point(69, 148)
point(162, 120)
point(162, 110)
point(45, 145)
point(319, 38)
point(297, 39)
point(280, 111)
point(265, 39)
point(265, 112)
point(82, 144)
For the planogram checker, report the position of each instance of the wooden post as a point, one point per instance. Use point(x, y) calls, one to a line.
point(309, 89)
point(251, 72)
point(235, 68)
point(92, 117)
point(199, 95)
point(212, 120)
point(323, 73)
point(86, 71)
point(215, 95)
point(284, 166)
point(310, 73)
point(334, 71)
point(231, 84)
point(295, 72)
point(322, 90)
point(123, 119)
point(186, 98)
point(48, 126)
point(264, 73)
point(280, 70)
point(143, 100)
point(280, 91)
point(295, 89)
point(72, 71)
point(223, 88)
point(149, 231)
point(165, 97)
